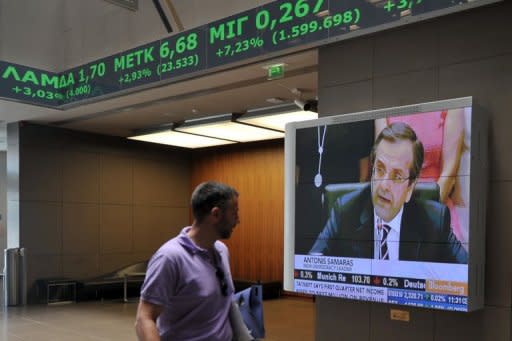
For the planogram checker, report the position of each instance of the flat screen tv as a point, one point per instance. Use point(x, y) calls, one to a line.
point(389, 205)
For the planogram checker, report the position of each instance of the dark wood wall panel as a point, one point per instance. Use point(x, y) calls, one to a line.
point(89, 204)
point(256, 170)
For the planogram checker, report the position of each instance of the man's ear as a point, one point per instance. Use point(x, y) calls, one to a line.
point(410, 190)
point(215, 212)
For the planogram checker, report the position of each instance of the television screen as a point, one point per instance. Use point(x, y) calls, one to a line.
point(380, 206)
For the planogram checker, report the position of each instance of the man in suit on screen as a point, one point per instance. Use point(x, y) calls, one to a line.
point(382, 221)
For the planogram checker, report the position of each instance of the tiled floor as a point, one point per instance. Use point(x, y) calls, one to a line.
point(285, 319)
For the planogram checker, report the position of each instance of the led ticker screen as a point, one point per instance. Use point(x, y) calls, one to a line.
point(378, 208)
point(271, 28)
point(31, 85)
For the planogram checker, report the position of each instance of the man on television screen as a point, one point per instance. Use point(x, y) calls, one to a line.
point(382, 220)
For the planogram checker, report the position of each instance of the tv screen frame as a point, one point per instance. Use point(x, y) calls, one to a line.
point(310, 270)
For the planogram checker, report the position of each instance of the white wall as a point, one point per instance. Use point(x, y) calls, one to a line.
point(95, 29)
point(30, 33)
point(195, 13)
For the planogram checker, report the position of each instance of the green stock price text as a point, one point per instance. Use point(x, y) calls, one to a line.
point(270, 28)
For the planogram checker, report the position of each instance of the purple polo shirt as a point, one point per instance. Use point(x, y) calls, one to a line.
point(181, 277)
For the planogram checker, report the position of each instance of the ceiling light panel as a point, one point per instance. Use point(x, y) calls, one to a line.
point(278, 121)
point(174, 138)
point(232, 131)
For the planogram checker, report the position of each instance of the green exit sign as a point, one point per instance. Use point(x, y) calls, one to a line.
point(275, 71)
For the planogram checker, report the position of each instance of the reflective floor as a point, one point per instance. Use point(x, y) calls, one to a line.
point(285, 319)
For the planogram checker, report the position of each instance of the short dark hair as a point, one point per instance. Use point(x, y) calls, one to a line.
point(208, 195)
point(401, 131)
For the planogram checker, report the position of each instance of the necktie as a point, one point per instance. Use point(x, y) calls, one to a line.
point(384, 254)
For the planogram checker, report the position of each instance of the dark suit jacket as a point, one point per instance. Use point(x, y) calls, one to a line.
point(425, 233)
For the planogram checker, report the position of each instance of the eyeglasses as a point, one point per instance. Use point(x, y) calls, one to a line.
point(395, 176)
point(222, 280)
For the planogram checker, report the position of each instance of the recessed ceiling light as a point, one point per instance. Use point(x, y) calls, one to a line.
point(276, 117)
point(174, 138)
point(224, 127)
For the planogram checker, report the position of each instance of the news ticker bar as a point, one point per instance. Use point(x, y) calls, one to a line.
point(426, 285)
point(262, 31)
point(382, 295)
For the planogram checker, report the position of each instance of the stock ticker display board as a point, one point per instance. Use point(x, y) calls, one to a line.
point(275, 27)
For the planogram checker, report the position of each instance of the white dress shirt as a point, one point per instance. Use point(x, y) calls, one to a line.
point(393, 235)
